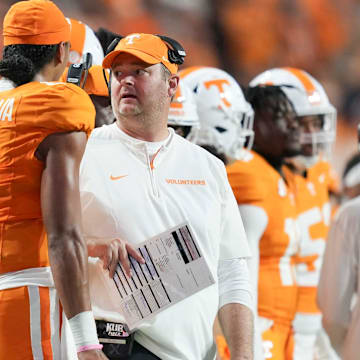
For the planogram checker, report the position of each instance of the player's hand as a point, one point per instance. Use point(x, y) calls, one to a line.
point(112, 252)
point(92, 355)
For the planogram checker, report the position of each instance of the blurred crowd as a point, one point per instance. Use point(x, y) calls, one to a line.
point(245, 37)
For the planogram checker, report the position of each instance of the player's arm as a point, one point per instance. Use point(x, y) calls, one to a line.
point(60, 202)
point(338, 277)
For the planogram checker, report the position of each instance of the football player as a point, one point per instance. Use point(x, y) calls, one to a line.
point(44, 126)
point(310, 176)
point(268, 210)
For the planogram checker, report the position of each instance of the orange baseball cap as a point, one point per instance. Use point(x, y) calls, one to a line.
point(95, 83)
point(35, 22)
point(147, 47)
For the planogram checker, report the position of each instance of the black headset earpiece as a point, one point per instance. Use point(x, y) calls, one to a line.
point(176, 53)
point(113, 44)
point(109, 49)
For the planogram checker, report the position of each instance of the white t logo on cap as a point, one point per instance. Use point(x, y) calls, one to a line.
point(130, 38)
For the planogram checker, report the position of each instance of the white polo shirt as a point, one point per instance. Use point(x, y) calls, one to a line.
point(126, 195)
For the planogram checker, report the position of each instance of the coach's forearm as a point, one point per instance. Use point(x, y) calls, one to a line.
point(237, 323)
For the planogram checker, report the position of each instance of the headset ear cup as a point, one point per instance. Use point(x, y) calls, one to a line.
point(174, 58)
point(110, 48)
point(109, 85)
point(176, 52)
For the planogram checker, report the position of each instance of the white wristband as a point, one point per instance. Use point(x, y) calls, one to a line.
point(84, 329)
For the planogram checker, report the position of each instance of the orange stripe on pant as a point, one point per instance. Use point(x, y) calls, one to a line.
point(27, 321)
point(45, 323)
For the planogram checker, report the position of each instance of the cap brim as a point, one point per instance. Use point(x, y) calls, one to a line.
point(109, 59)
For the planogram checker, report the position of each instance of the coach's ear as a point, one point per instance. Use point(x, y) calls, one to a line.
point(173, 82)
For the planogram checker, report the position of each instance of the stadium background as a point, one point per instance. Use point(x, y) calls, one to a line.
point(245, 37)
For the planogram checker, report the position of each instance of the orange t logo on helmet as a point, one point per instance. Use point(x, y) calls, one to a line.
point(219, 84)
point(313, 95)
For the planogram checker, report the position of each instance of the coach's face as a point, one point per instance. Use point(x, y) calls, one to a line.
point(137, 87)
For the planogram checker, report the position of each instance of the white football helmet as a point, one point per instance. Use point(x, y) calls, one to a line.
point(310, 100)
point(83, 40)
point(183, 111)
point(226, 118)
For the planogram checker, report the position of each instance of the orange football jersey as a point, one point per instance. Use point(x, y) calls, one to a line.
point(314, 213)
point(28, 114)
point(255, 182)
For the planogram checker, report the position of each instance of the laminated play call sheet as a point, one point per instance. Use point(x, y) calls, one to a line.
point(174, 269)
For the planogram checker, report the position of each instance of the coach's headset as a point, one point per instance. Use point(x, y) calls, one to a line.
point(176, 54)
point(77, 73)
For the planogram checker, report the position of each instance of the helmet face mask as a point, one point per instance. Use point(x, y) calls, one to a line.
point(226, 118)
point(317, 138)
point(317, 116)
point(317, 121)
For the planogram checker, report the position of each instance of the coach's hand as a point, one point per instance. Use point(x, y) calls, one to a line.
point(112, 252)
